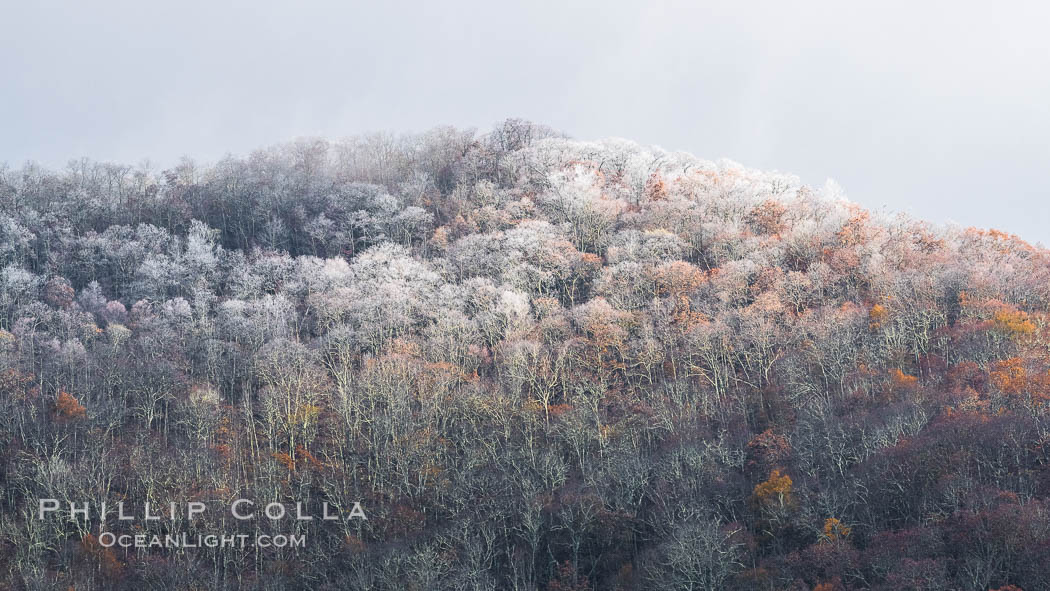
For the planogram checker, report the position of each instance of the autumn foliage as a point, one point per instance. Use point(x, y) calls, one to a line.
point(774, 493)
point(537, 363)
point(835, 529)
point(68, 408)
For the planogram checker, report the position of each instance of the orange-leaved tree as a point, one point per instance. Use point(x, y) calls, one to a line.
point(775, 493)
point(68, 408)
point(834, 529)
point(773, 502)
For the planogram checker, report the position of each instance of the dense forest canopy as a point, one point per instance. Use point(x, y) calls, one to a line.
point(537, 362)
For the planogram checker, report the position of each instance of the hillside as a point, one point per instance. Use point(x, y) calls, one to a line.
point(536, 362)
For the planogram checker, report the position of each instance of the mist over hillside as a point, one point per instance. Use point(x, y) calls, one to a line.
point(536, 362)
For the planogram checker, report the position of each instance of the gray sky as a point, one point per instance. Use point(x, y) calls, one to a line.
point(935, 108)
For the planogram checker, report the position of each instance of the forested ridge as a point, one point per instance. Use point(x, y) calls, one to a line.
point(537, 362)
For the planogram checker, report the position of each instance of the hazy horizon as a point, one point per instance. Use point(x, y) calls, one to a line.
point(935, 110)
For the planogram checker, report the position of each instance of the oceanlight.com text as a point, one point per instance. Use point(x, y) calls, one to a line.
point(185, 540)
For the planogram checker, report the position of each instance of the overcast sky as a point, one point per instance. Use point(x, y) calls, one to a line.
point(938, 109)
